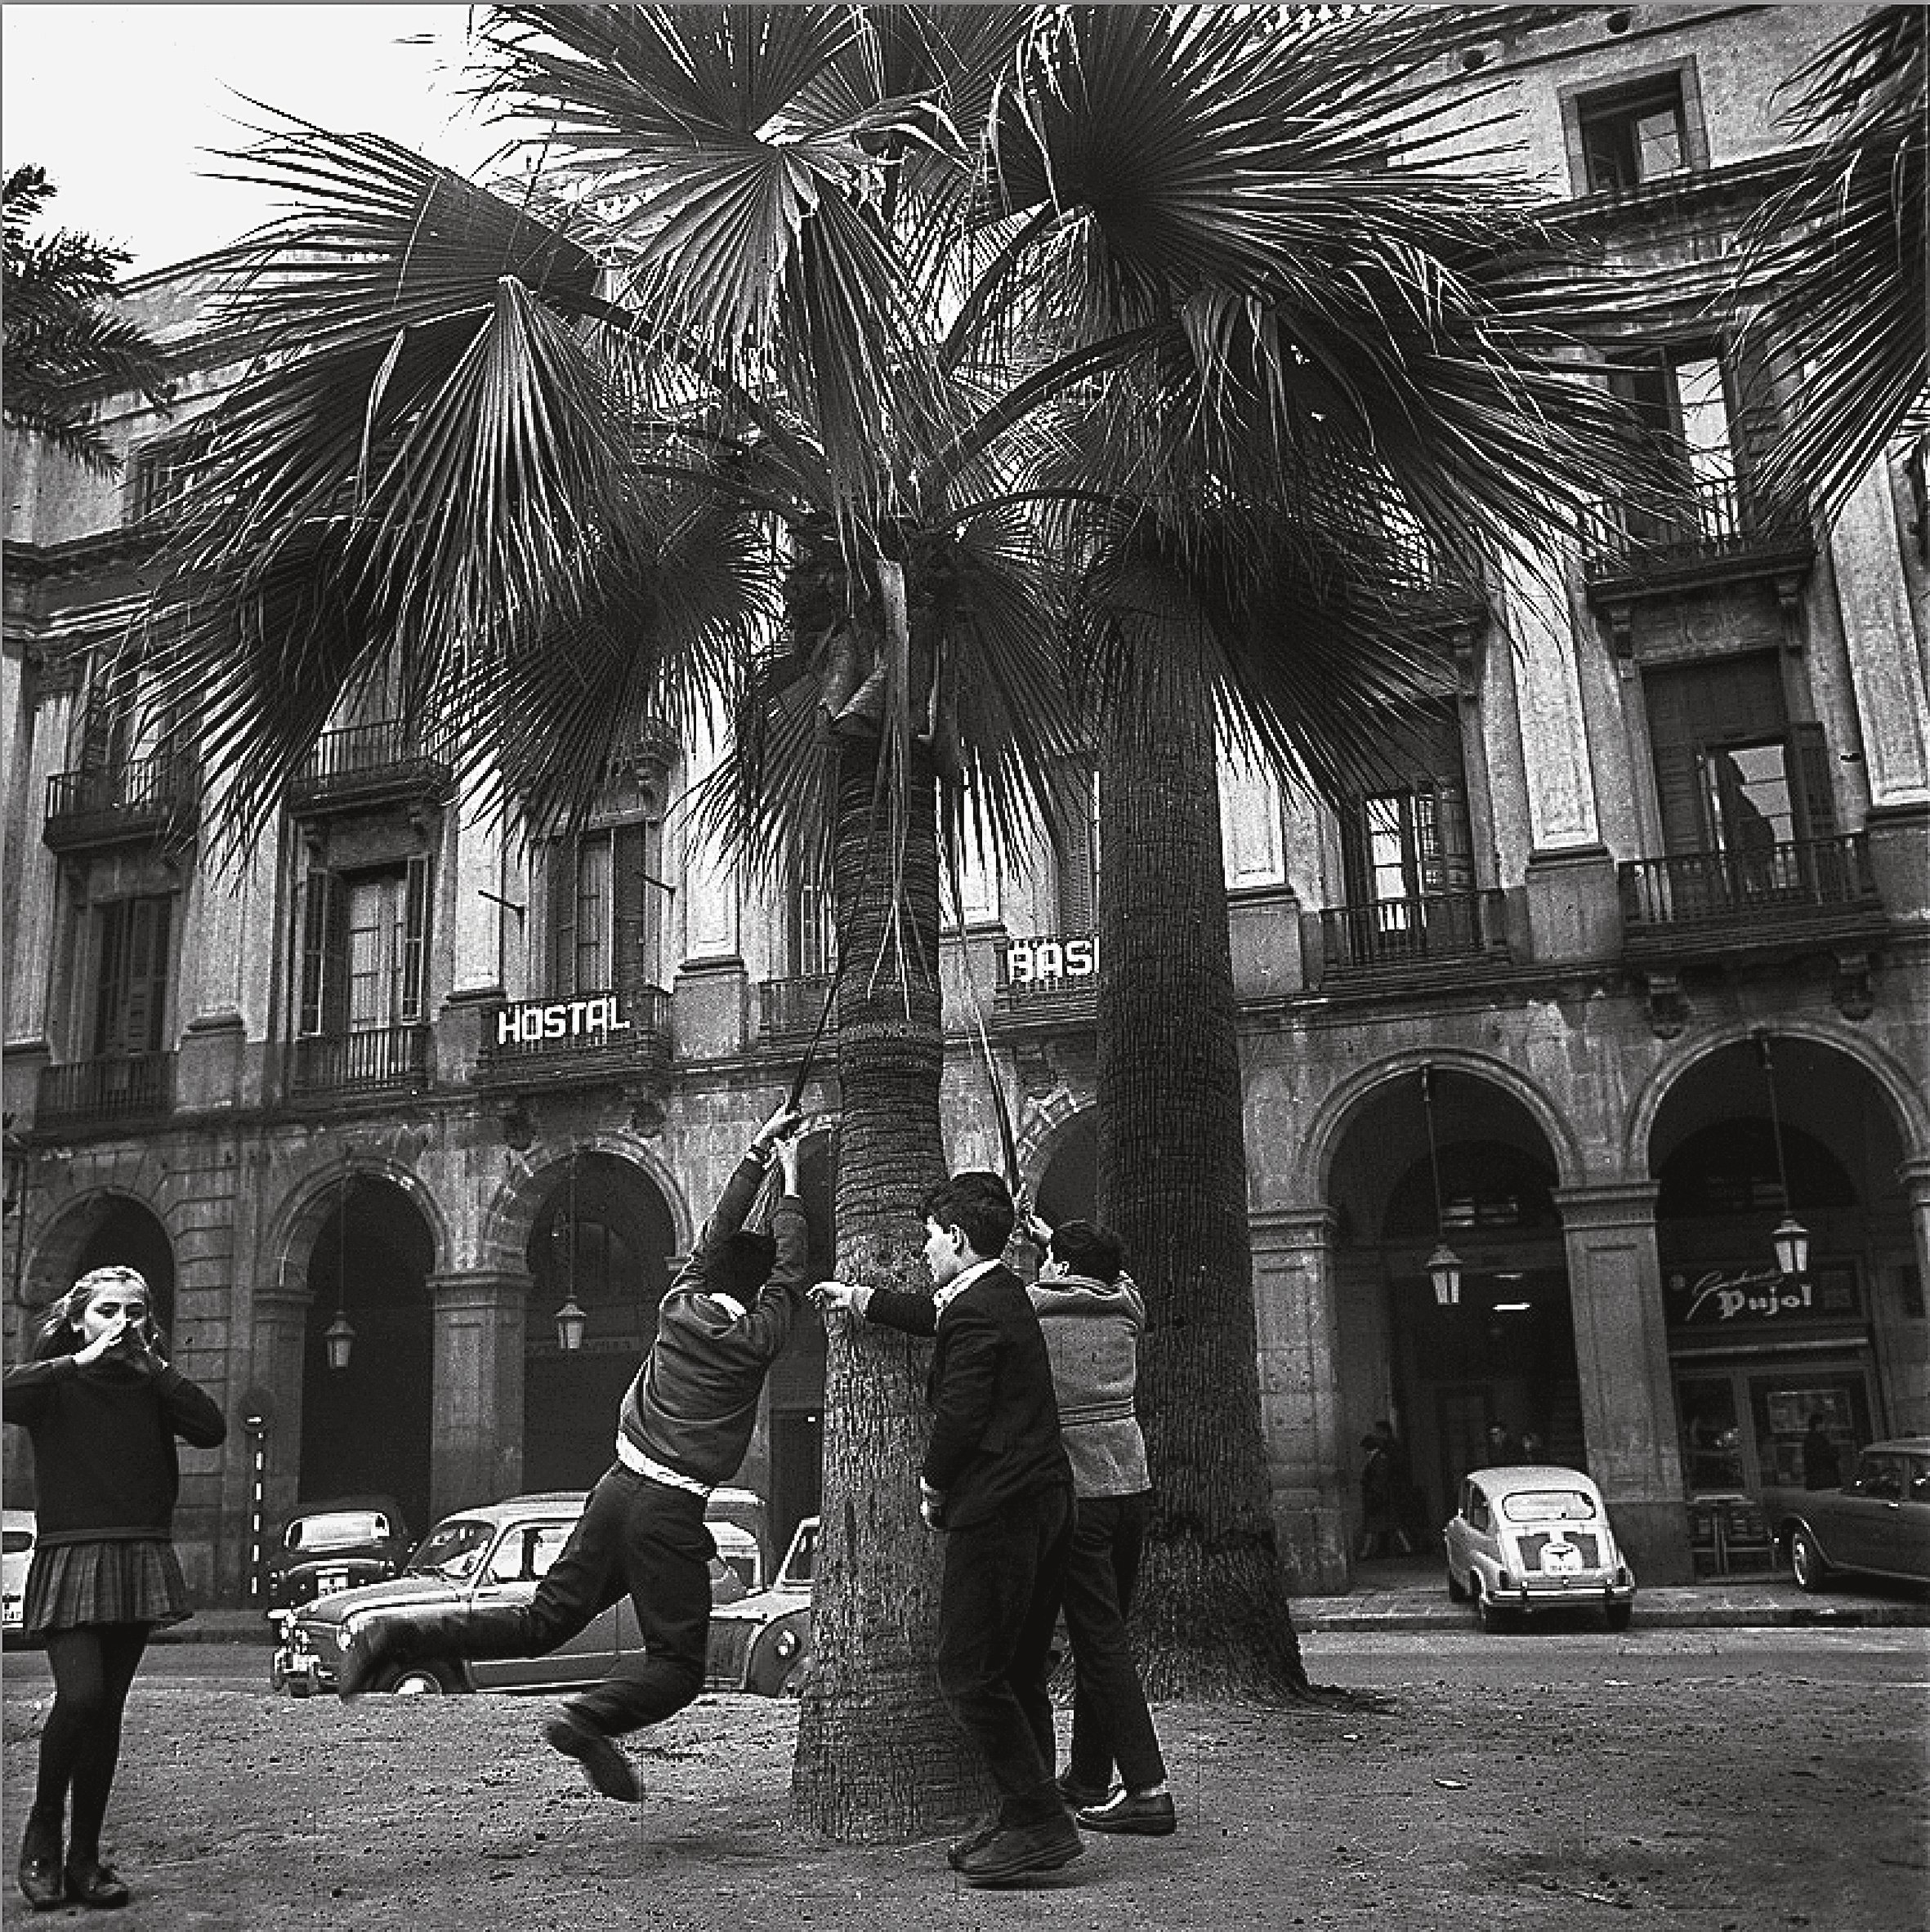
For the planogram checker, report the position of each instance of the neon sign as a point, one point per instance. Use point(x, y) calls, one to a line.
point(1036, 962)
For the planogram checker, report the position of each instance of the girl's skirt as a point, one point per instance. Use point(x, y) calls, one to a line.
point(72, 1584)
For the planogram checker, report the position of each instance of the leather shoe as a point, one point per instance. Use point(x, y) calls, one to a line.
point(1078, 1796)
point(1015, 1852)
point(89, 1882)
point(1152, 1816)
point(984, 1830)
point(41, 1881)
point(604, 1764)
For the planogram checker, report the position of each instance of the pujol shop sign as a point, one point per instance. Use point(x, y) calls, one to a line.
point(1717, 1297)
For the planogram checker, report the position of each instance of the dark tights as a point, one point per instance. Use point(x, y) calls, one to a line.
point(93, 1667)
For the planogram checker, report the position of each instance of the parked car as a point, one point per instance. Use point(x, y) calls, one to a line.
point(16, 1553)
point(335, 1545)
point(759, 1641)
point(1876, 1524)
point(1531, 1538)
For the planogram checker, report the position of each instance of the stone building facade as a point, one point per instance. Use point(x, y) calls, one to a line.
point(1631, 969)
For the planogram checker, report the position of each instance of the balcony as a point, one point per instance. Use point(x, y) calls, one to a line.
point(620, 1037)
point(378, 1060)
point(133, 1086)
point(129, 803)
point(1796, 894)
point(1387, 939)
point(788, 1010)
point(1714, 530)
point(370, 764)
point(1048, 979)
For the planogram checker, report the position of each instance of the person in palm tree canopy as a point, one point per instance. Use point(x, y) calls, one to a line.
point(682, 1428)
point(995, 1481)
point(1092, 1316)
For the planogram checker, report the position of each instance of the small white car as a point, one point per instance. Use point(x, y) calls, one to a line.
point(16, 1553)
point(1532, 1537)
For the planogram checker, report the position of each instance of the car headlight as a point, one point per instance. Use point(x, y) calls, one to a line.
point(785, 1643)
point(344, 1633)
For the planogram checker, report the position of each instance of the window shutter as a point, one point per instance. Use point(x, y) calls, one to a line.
point(110, 970)
point(144, 1012)
point(1810, 788)
point(1756, 414)
point(558, 966)
point(321, 916)
point(415, 939)
point(1077, 896)
point(1454, 836)
point(633, 964)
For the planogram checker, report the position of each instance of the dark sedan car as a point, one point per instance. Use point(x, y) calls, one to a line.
point(1876, 1524)
point(337, 1544)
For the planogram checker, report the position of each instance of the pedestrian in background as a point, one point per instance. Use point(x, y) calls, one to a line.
point(1822, 1468)
point(1381, 1524)
point(103, 1407)
point(994, 1479)
point(1092, 1317)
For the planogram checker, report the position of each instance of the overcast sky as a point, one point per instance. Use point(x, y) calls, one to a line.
point(120, 105)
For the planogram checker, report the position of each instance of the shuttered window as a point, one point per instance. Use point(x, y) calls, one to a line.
point(1412, 840)
point(1077, 882)
point(603, 924)
point(131, 971)
point(364, 949)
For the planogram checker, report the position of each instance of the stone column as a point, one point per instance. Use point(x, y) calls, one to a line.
point(279, 1327)
point(477, 1408)
point(1300, 1408)
point(1621, 1346)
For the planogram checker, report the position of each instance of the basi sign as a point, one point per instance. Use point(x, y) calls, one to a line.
point(1039, 962)
point(591, 1020)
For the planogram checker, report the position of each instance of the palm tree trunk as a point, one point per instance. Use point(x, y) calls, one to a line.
point(877, 1755)
point(1212, 1617)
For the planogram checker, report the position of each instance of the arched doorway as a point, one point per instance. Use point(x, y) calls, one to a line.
point(604, 1236)
point(1505, 1352)
point(129, 1236)
point(1069, 1186)
point(366, 1425)
point(1753, 1353)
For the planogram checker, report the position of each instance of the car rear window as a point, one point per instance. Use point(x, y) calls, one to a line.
point(337, 1529)
point(1548, 1506)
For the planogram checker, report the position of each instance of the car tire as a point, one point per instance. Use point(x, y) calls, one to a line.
point(1617, 1616)
point(1456, 1594)
point(1809, 1568)
point(421, 1680)
point(1491, 1615)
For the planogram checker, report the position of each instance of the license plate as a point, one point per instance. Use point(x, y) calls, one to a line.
point(331, 1580)
point(1561, 1560)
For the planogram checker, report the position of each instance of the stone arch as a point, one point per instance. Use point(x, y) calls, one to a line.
point(1057, 1122)
point(1310, 1174)
point(1910, 1103)
point(312, 1197)
point(55, 1260)
point(510, 1217)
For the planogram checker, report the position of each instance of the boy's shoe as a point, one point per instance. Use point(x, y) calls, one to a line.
point(984, 1830)
point(1146, 1818)
point(1015, 1852)
point(41, 1881)
point(604, 1763)
point(1077, 1795)
point(91, 1883)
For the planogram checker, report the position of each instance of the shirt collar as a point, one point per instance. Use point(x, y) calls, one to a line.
point(731, 1304)
point(943, 1297)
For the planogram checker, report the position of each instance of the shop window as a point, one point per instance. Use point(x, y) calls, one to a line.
point(131, 967)
point(1627, 135)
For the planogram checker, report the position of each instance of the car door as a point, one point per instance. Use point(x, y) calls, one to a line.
point(1913, 1517)
point(521, 1558)
point(1864, 1521)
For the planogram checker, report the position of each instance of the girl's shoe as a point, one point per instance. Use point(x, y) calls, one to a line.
point(41, 1880)
point(89, 1882)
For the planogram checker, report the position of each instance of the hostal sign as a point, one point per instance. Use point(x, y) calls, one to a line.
point(592, 1020)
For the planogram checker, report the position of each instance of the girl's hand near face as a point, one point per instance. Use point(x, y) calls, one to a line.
point(106, 1340)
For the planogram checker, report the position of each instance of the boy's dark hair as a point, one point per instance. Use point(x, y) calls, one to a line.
point(978, 1202)
point(1086, 1250)
point(744, 1263)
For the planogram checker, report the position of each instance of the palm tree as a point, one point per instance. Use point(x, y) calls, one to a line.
point(838, 362)
point(64, 351)
point(1837, 266)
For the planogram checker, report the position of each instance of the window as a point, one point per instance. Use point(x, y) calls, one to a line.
point(1681, 394)
point(603, 899)
point(158, 474)
point(811, 939)
point(1632, 135)
point(1076, 881)
point(131, 975)
point(364, 949)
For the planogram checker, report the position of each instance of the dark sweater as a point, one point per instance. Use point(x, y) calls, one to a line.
point(105, 1468)
point(694, 1403)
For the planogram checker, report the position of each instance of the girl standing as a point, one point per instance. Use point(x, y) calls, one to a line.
point(102, 1406)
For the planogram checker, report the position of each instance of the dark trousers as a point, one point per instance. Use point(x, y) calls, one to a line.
point(636, 1538)
point(998, 1602)
point(93, 1669)
point(1110, 1723)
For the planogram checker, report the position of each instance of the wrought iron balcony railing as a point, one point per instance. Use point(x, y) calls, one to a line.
point(1708, 519)
point(116, 1087)
point(1388, 934)
point(619, 1034)
point(114, 804)
point(1816, 877)
point(365, 763)
point(376, 1060)
point(788, 1010)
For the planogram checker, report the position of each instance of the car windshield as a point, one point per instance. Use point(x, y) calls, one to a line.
point(337, 1529)
point(452, 1550)
point(1548, 1506)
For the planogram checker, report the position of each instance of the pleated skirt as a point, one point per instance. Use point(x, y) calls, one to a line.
point(70, 1584)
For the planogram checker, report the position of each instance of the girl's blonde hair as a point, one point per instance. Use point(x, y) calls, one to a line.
point(59, 1334)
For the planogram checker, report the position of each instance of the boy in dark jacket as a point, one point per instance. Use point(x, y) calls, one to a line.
point(682, 1428)
point(995, 1479)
